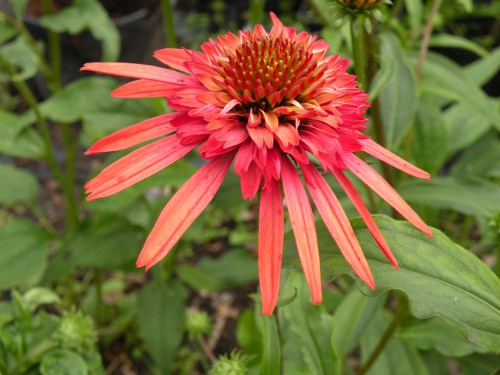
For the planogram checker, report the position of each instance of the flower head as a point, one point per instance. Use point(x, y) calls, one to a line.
point(270, 102)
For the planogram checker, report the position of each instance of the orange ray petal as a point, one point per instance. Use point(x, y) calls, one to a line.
point(337, 223)
point(183, 208)
point(138, 71)
point(380, 186)
point(302, 220)
point(134, 134)
point(355, 198)
point(144, 88)
point(271, 233)
point(136, 166)
point(173, 57)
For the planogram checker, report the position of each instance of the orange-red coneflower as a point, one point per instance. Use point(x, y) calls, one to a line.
point(270, 102)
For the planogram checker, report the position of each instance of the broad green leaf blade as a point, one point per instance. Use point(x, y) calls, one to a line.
point(473, 196)
point(397, 358)
point(415, 11)
point(7, 31)
point(465, 126)
point(398, 100)
point(352, 317)
point(18, 142)
point(19, 7)
point(24, 252)
point(439, 277)
point(314, 327)
point(436, 334)
point(384, 77)
point(18, 185)
point(482, 70)
point(271, 348)
point(479, 364)
point(445, 78)
point(91, 15)
point(429, 144)
point(63, 362)
point(21, 55)
point(161, 310)
point(455, 41)
point(481, 159)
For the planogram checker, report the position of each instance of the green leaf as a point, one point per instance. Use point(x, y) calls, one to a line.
point(18, 142)
point(471, 196)
point(398, 100)
point(467, 4)
point(21, 55)
point(271, 348)
point(108, 242)
point(477, 364)
point(445, 78)
point(314, 327)
point(439, 277)
point(233, 269)
point(455, 41)
point(160, 316)
point(248, 335)
point(18, 185)
point(63, 362)
point(480, 159)
point(91, 15)
point(436, 334)
point(24, 252)
point(38, 296)
point(482, 70)
point(384, 77)
point(415, 11)
point(19, 7)
point(352, 317)
point(397, 358)
point(430, 136)
point(465, 126)
point(7, 31)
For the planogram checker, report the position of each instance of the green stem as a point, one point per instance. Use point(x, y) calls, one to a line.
point(280, 337)
point(319, 13)
point(397, 319)
point(168, 23)
point(425, 40)
point(358, 35)
point(54, 48)
point(256, 11)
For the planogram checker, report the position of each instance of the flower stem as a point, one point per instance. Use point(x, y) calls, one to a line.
point(358, 35)
point(168, 23)
point(425, 40)
point(397, 319)
point(54, 48)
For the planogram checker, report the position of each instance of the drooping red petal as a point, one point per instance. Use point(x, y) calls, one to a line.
point(173, 57)
point(138, 71)
point(132, 135)
point(144, 88)
point(302, 220)
point(388, 157)
point(355, 198)
point(336, 221)
point(136, 166)
point(183, 208)
point(382, 188)
point(270, 245)
point(250, 181)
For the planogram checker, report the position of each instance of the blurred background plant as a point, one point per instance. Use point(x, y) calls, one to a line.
point(72, 300)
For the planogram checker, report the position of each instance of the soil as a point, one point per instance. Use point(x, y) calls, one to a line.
point(116, 8)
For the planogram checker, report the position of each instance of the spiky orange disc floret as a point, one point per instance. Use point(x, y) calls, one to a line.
point(265, 101)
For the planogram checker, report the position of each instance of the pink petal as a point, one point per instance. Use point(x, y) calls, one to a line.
point(173, 57)
point(136, 166)
point(144, 88)
point(271, 120)
point(183, 208)
point(270, 245)
point(302, 220)
point(386, 192)
point(355, 198)
point(250, 181)
point(261, 135)
point(134, 134)
point(137, 71)
point(388, 157)
point(337, 222)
